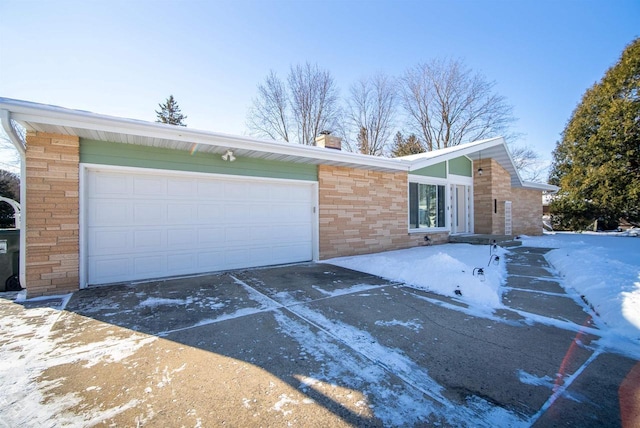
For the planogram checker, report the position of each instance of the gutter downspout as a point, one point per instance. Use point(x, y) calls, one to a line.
point(5, 118)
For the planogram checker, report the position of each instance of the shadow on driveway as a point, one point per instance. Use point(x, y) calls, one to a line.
point(315, 345)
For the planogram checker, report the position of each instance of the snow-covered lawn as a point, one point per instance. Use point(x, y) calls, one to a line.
point(605, 269)
point(442, 269)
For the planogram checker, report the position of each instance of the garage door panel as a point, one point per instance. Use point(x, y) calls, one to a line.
point(148, 239)
point(261, 256)
point(149, 266)
point(235, 213)
point(141, 225)
point(279, 194)
point(292, 233)
point(269, 213)
point(182, 263)
point(264, 234)
point(110, 269)
point(258, 214)
point(110, 240)
point(236, 259)
point(297, 193)
point(259, 192)
point(235, 191)
point(296, 212)
point(208, 236)
point(108, 185)
point(110, 212)
point(149, 213)
point(282, 254)
point(210, 189)
point(181, 238)
point(211, 260)
point(237, 236)
point(210, 213)
point(181, 188)
point(150, 186)
point(183, 214)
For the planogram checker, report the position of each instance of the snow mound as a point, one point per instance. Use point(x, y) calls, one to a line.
point(605, 271)
point(442, 269)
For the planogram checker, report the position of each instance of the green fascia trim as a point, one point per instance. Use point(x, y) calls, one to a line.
point(438, 170)
point(461, 166)
point(107, 153)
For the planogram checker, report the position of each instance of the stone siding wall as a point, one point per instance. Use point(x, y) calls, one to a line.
point(364, 212)
point(494, 187)
point(482, 198)
point(527, 211)
point(489, 193)
point(52, 214)
point(501, 192)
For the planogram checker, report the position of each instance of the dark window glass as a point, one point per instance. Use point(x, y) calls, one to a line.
point(426, 205)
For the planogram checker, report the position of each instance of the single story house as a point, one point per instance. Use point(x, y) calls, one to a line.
point(108, 200)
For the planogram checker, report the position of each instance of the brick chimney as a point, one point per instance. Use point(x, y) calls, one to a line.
point(325, 139)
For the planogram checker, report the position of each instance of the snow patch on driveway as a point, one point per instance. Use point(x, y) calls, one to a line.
point(29, 348)
point(412, 325)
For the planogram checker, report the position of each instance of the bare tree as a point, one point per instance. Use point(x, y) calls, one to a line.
point(314, 101)
point(528, 163)
point(269, 116)
point(448, 104)
point(296, 110)
point(371, 112)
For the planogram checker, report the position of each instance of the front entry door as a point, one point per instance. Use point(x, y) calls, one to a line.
point(459, 209)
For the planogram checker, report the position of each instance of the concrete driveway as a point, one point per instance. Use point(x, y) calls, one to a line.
point(314, 345)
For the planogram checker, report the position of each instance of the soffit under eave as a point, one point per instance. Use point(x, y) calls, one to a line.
point(211, 147)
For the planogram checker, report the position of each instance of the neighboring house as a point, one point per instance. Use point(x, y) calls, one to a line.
point(113, 200)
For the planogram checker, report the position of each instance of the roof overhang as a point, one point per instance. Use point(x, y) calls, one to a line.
point(492, 148)
point(84, 124)
point(92, 126)
point(540, 186)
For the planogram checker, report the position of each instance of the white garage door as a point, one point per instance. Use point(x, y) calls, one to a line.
point(141, 225)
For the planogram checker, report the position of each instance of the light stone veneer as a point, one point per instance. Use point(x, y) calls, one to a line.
point(52, 214)
point(495, 184)
point(364, 212)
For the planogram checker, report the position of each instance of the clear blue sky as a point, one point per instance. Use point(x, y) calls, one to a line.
point(124, 57)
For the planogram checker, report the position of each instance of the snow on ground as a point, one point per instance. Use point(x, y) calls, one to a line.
point(28, 350)
point(442, 269)
point(605, 269)
point(157, 301)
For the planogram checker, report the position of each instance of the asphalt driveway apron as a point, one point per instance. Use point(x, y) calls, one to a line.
point(319, 345)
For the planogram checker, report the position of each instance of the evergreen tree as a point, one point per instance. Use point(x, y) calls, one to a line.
point(170, 113)
point(597, 162)
point(406, 146)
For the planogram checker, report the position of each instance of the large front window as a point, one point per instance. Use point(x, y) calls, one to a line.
point(426, 205)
